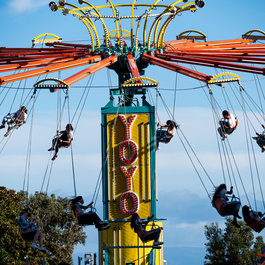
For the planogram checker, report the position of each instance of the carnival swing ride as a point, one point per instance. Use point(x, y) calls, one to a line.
point(128, 126)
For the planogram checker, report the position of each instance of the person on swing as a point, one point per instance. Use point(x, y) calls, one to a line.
point(30, 229)
point(220, 192)
point(14, 121)
point(249, 215)
point(260, 139)
point(138, 225)
point(227, 124)
point(166, 136)
point(90, 217)
point(62, 139)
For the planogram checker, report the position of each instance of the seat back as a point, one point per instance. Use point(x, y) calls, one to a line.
point(229, 208)
point(26, 235)
point(226, 208)
point(261, 141)
point(86, 219)
point(256, 224)
point(219, 205)
point(76, 211)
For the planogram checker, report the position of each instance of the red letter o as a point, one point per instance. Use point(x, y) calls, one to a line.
point(132, 159)
point(123, 199)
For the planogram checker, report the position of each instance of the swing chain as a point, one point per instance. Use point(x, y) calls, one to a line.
point(210, 90)
point(240, 86)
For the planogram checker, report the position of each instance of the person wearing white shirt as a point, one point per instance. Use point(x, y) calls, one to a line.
point(227, 124)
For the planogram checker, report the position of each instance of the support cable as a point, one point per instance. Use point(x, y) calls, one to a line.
point(239, 175)
point(85, 100)
point(28, 157)
point(97, 188)
point(197, 172)
point(254, 156)
point(186, 140)
point(215, 114)
point(175, 95)
point(72, 155)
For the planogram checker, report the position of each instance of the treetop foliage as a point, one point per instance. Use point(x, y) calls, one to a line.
point(52, 215)
point(231, 245)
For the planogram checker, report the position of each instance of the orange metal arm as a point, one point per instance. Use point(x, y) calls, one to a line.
point(132, 66)
point(213, 44)
point(175, 68)
point(49, 69)
point(242, 58)
point(27, 64)
point(212, 63)
point(92, 69)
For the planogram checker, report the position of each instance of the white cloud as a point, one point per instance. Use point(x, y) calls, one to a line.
point(26, 5)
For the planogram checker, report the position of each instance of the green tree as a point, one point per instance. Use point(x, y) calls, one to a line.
point(231, 245)
point(53, 216)
point(215, 247)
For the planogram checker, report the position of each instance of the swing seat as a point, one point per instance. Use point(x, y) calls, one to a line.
point(150, 235)
point(27, 235)
point(162, 136)
point(84, 218)
point(257, 224)
point(226, 208)
point(261, 141)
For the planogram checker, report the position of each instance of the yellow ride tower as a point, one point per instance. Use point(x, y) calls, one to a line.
point(129, 183)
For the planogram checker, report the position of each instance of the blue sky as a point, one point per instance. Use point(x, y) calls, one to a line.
point(182, 199)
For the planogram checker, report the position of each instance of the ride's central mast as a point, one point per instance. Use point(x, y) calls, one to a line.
point(129, 182)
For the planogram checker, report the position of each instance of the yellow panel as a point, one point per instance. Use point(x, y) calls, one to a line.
point(141, 179)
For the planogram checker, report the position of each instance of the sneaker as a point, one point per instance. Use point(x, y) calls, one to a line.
point(6, 134)
point(42, 249)
point(157, 243)
point(34, 245)
point(103, 223)
point(238, 216)
point(55, 156)
point(103, 227)
point(2, 126)
point(156, 247)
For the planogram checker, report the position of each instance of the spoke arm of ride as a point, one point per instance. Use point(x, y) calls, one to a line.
point(27, 63)
point(92, 69)
point(224, 57)
point(214, 44)
point(52, 53)
point(59, 44)
point(234, 51)
point(132, 66)
point(212, 63)
point(176, 68)
point(49, 69)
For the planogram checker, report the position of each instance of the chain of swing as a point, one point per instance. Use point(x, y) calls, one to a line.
point(247, 124)
point(185, 143)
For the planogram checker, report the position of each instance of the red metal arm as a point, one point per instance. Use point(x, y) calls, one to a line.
point(132, 66)
point(175, 68)
point(49, 69)
point(92, 69)
point(212, 63)
point(242, 58)
point(26, 64)
point(59, 44)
